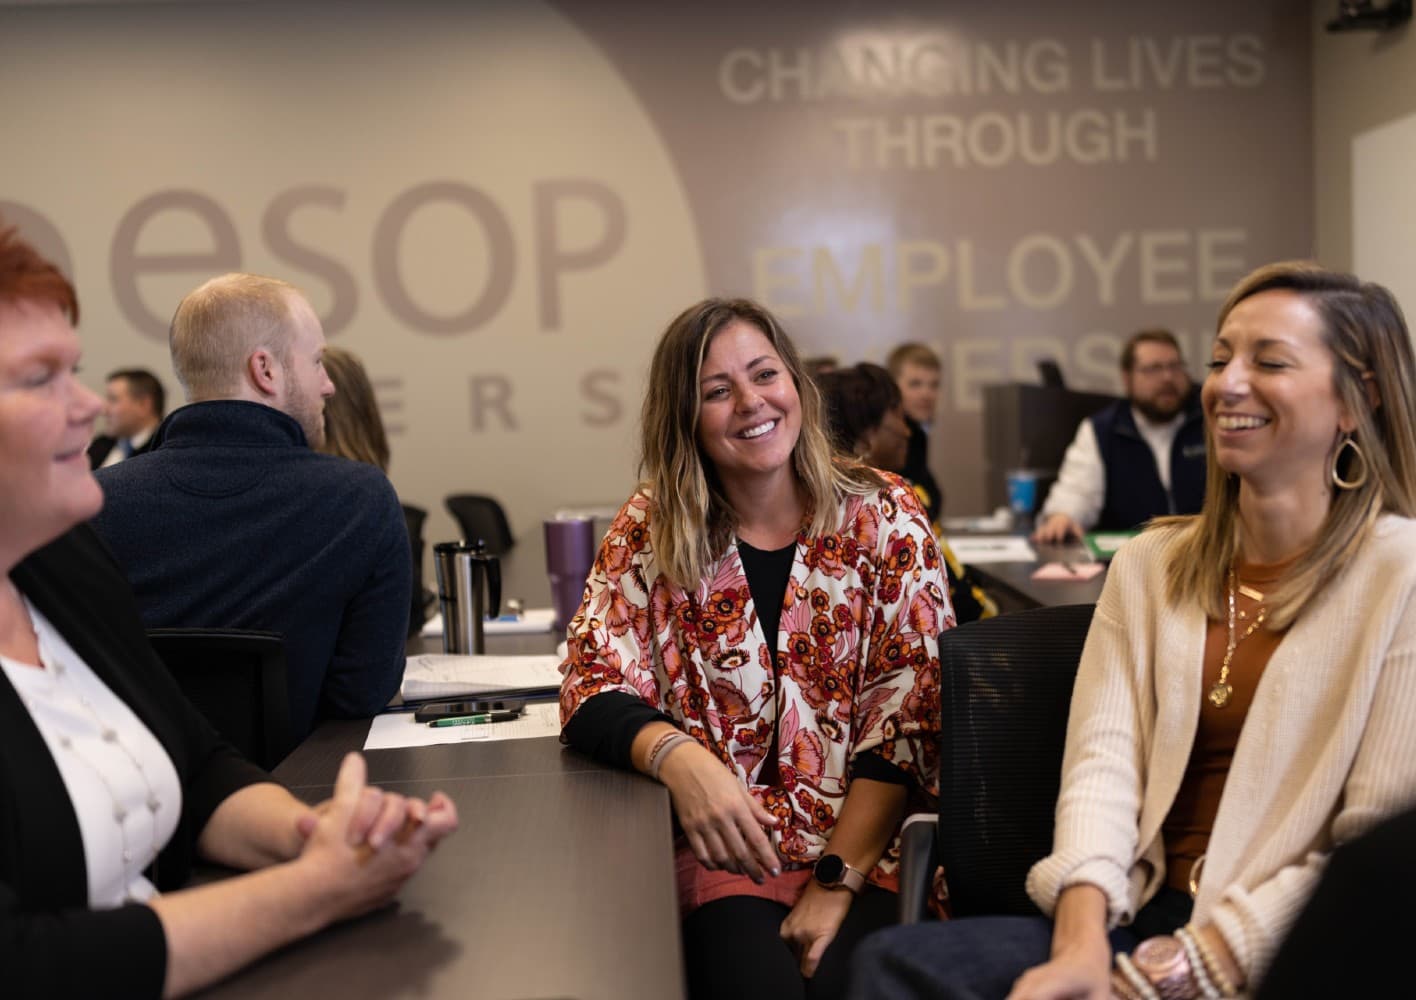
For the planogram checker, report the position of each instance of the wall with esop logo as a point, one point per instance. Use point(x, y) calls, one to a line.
point(499, 205)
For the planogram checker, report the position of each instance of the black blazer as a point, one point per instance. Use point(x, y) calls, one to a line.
point(51, 943)
point(916, 468)
point(100, 446)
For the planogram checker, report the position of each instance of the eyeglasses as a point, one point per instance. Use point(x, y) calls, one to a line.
point(1161, 368)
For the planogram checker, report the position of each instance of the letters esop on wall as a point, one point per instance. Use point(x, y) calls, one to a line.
point(500, 205)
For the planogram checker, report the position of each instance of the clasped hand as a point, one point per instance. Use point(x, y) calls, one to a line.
point(368, 841)
point(725, 826)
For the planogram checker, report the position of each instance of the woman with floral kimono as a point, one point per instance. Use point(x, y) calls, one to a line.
point(759, 633)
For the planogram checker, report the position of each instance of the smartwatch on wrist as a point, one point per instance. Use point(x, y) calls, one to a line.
point(832, 872)
point(1164, 963)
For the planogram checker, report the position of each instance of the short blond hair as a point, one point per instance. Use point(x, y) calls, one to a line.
point(218, 326)
point(912, 354)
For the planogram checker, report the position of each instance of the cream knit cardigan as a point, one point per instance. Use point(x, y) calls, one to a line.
point(1327, 751)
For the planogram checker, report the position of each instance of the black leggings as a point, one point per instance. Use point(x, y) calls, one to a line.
point(733, 949)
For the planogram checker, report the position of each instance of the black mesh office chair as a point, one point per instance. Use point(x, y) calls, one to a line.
point(236, 678)
point(1051, 374)
point(1005, 691)
point(421, 599)
point(481, 517)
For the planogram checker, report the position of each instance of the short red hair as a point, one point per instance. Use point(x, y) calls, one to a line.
point(25, 276)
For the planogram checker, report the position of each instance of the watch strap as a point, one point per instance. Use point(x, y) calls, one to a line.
point(852, 878)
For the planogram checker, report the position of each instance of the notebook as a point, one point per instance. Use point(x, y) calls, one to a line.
point(445, 675)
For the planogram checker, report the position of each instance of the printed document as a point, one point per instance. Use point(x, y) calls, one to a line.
point(398, 729)
point(978, 549)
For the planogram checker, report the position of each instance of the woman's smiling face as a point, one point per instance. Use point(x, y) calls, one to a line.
point(46, 422)
point(1273, 412)
point(749, 412)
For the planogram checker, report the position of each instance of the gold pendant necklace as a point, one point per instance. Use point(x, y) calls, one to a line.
point(1220, 694)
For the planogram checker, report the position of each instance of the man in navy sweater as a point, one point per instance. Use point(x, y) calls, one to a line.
point(232, 520)
point(1140, 457)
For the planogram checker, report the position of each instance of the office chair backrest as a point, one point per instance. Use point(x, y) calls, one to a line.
point(1051, 374)
point(421, 598)
point(1005, 691)
point(236, 678)
point(481, 517)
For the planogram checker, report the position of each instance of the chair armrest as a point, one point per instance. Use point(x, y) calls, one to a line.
point(919, 857)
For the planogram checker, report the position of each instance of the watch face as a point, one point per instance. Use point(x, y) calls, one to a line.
point(1160, 956)
point(830, 869)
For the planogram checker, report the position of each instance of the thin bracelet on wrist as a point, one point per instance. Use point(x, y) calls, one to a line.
point(657, 748)
point(663, 748)
point(1134, 979)
point(1121, 987)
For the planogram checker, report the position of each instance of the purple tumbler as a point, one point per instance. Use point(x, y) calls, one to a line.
point(570, 552)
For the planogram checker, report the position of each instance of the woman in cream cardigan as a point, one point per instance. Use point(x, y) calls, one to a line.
point(1246, 700)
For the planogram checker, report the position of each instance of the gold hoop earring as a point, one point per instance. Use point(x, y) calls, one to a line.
point(1357, 456)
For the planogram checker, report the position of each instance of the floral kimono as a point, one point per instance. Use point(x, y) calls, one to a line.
point(857, 664)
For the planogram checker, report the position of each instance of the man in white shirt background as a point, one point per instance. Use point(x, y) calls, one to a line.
point(133, 406)
point(1139, 458)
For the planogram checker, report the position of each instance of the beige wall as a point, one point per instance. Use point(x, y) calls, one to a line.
point(1361, 80)
point(499, 204)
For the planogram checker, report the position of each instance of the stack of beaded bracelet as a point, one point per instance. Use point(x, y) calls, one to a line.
point(660, 750)
point(1213, 971)
point(1197, 966)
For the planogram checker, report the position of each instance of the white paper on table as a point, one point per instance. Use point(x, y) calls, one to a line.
point(449, 675)
point(398, 729)
point(992, 548)
point(533, 621)
point(1000, 520)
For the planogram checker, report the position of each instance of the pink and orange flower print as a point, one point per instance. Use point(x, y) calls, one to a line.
point(856, 669)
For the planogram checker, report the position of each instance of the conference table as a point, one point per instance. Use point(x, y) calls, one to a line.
point(558, 885)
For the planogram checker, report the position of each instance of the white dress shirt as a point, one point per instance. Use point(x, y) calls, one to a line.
point(123, 786)
point(117, 453)
point(1080, 490)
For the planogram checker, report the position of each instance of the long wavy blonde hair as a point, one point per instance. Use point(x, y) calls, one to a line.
point(691, 520)
point(1364, 328)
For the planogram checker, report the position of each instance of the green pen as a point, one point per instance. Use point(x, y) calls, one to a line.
point(461, 720)
point(474, 720)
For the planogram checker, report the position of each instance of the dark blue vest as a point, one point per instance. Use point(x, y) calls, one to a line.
point(1134, 494)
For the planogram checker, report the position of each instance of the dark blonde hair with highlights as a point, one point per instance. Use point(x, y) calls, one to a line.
point(692, 522)
point(354, 428)
point(1371, 347)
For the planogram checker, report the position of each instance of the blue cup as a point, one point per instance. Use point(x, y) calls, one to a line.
point(1022, 491)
